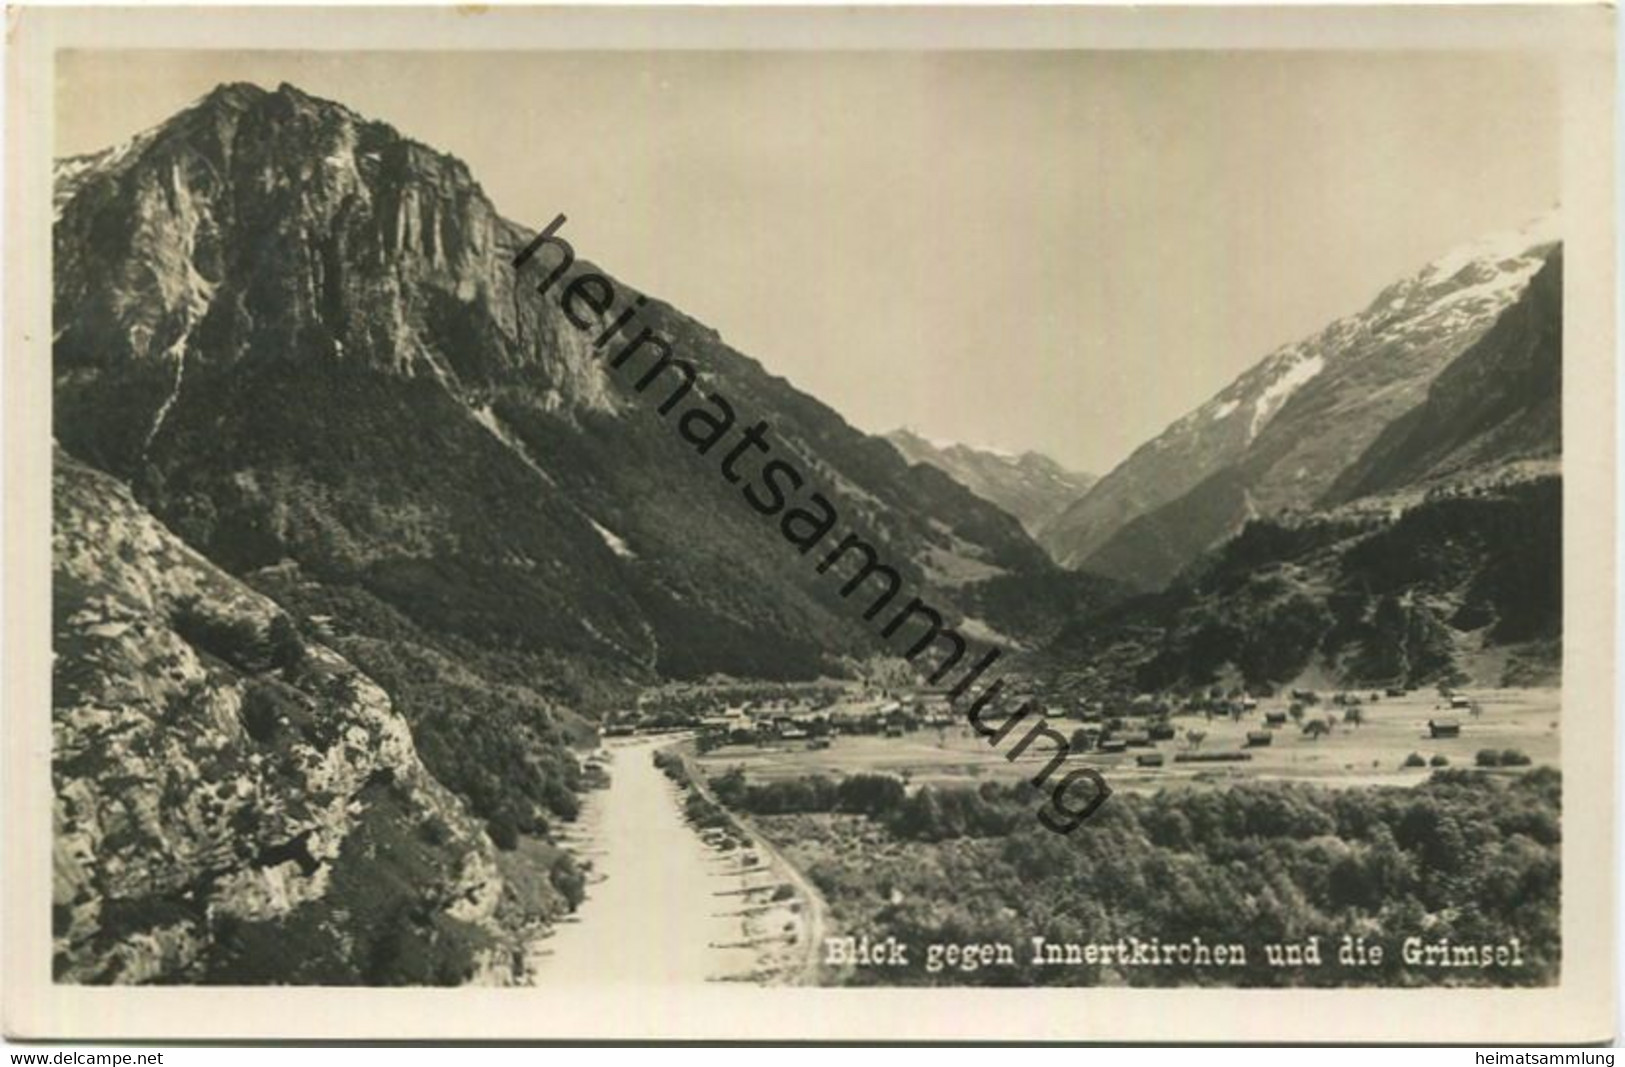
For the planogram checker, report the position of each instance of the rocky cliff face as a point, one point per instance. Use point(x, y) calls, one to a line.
point(1030, 486)
point(234, 801)
point(298, 335)
point(1282, 433)
point(273, 226)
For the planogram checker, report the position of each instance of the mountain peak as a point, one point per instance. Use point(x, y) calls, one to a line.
point(242, 95)
point(1283, 430)
point(236, 93)
point(1535, 235)
point(1029, 485)
point(368, 247)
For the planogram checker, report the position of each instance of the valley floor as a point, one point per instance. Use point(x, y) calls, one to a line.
point(668, 903)
point(1372, 753)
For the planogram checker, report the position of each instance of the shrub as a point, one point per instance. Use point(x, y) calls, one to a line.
point(234, 641)
point(934, 814)
point(1488, 757)
point(1415, 760)
point(504, 834)
point(812, 793)
point(285, 649)
point(1513, 757)
point(270, 708)
point(434, 831)
point(1440, 760)
point(729, 786)
point(704, 814)
point(671, 765)
point(566, 877)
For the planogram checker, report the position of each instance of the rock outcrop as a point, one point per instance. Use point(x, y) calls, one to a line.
point(225, 785)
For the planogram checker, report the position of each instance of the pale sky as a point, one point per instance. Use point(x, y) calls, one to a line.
point(1063, 251)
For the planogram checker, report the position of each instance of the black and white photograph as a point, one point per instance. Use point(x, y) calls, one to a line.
point(753, 519)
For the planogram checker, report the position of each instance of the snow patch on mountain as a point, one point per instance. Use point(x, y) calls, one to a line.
point(488, 419)
point(67, 174)
point(1501, 287)
point(616, 545)
point(1279, 391)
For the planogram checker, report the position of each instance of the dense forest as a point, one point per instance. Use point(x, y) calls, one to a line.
point(1371, 600)
point(1469, 856)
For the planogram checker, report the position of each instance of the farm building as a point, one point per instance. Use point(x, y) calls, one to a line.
point(1444, 728)
point(1258, 738)
point(902, 719)
point(1275, 718)
point(1149, 759)
point(1085, 738)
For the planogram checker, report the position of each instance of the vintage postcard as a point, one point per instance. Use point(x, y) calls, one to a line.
point(1016, 524)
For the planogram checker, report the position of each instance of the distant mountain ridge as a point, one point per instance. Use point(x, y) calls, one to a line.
point(1031, 486)
point(1435, 557)
point(1282, 433)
